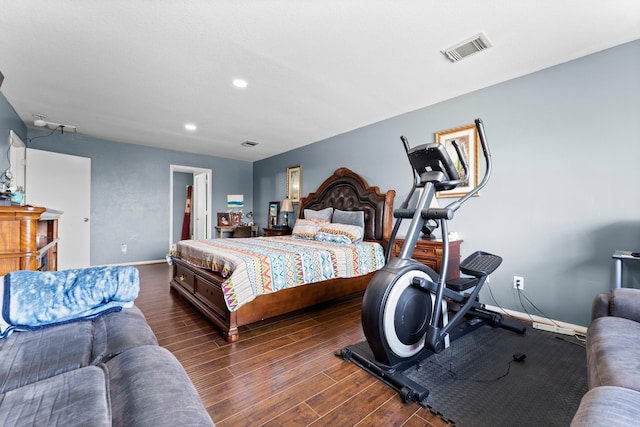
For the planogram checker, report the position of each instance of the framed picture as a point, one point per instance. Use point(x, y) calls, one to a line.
point(235, 218)
point(294, 183)
point(224, 219)
point(467, 137)
point(274, 209)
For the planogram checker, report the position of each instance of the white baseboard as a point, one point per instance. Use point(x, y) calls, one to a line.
point(153, 261)
point(580, 330)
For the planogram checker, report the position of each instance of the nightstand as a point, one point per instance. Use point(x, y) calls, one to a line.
point(282, 231)
point(429, 253)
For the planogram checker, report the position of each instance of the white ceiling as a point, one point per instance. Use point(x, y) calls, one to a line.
point(137, 71)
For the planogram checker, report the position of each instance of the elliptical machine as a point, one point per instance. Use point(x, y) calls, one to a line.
point(406, 307)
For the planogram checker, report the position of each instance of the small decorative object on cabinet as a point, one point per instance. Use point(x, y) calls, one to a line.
point(280, 231)
point(274, 209)
point(287, 208)
point(224, 219)
point(429, 253)
point(28, 238)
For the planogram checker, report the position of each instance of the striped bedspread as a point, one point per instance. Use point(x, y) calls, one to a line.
point(257, 266)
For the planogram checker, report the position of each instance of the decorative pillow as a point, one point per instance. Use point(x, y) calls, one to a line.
point(307, 228)
point(348, 217)
point(321, 215)
point(340, 233)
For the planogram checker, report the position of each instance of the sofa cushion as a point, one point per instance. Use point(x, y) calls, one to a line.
point(75, 398)
point(625, 302)
point(613, 353)
point(119, 332)
point(30, 356)
point(149, 387)
point(608, 406)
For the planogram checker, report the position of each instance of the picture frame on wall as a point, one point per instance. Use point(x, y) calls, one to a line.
point(467, 138)
point(274, 209)
point(224, 219)
point(294, 183)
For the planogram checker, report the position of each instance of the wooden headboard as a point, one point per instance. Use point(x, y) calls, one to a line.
point(348, 191)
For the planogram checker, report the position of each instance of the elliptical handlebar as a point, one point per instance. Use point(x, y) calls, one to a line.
point(454, 206)
point(463, 160)
point(487, 159)
point(416, 177)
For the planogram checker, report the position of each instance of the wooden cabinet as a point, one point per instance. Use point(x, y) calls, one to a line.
point(283, 231)
point(429, 253)
point(27, 241)
point(47, 241)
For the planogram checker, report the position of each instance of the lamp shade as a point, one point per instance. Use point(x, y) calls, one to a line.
point(287, 206)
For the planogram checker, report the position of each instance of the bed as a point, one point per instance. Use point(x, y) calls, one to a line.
point(208, 291)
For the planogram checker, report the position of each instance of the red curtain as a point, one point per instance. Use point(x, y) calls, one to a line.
point(186, 222)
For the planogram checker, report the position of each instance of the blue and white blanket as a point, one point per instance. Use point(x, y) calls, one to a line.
point(33, 300)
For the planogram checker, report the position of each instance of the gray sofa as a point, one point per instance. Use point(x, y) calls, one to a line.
point(102, 372)
point(613, 362)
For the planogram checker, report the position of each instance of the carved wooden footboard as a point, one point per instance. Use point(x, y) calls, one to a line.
point(202, 288)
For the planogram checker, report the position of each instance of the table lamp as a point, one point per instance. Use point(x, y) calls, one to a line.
point(287, 207)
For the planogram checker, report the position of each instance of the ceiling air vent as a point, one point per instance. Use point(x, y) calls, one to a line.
point(475, 44)
point(249, 143)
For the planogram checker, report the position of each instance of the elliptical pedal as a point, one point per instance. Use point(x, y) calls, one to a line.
point(480, 264)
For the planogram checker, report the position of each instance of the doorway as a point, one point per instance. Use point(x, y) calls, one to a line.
point(200, 206)
point(48, 172)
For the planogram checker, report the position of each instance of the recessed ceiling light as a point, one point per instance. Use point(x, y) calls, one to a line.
point(190, 127)
point(240, 83)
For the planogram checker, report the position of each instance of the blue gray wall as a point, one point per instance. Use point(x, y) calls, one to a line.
point(130, 192)
point(564, 191)
point(130, 187)
point(9, 121)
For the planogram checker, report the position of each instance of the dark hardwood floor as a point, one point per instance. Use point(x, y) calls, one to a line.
point(282, 372)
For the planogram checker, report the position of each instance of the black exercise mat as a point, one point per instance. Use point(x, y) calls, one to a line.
point(476, 381)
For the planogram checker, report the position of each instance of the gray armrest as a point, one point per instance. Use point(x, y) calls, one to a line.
point(600, 307)
point(621, 302)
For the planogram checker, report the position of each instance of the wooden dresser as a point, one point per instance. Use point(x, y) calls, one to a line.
point(28, 239)
point(429, 253)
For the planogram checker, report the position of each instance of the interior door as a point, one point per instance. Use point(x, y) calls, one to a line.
point(200, 216)
point(63, 182)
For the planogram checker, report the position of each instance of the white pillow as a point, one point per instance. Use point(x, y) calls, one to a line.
point(307, 228)
point(321, 215)
point(340, 233)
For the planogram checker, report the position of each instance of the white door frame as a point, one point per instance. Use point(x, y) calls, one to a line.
point(200, 217)
point(194, 171)
point(17, 160)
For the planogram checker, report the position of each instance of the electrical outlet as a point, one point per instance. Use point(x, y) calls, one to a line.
point(123, 248)
point(518, 282)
